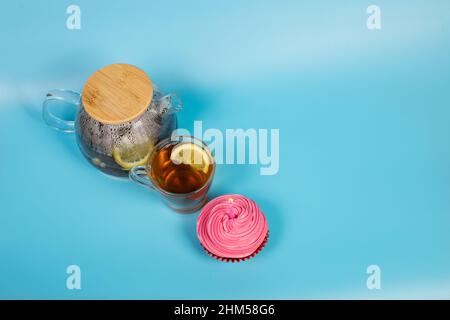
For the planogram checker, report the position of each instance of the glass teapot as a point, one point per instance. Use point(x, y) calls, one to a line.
point(118, 118)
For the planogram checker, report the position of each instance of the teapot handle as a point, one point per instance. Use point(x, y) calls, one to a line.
point(169, 104)
point(60, 108)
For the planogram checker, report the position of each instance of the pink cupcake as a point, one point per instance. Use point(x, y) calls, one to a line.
point(232, 228)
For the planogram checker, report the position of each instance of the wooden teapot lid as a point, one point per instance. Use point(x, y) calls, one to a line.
point(117, 93)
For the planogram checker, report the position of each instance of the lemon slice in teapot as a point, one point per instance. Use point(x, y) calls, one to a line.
point(191, 154)
point(128, 155)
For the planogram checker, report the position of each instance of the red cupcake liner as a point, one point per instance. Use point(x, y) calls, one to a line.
point(225, 259)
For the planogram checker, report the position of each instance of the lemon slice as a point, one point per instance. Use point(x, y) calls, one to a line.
point(191, 154)
point(128, 155)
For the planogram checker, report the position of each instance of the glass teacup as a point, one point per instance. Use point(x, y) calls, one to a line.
point(181, 169)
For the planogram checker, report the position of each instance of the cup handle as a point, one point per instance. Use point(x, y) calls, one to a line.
point(139, 176)
point(60, 108)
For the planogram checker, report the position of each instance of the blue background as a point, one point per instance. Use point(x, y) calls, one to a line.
point(364, 153)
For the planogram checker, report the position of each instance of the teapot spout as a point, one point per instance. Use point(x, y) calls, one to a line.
point(169, 104)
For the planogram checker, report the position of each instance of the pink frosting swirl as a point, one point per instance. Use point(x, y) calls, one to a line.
point(232, 226)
